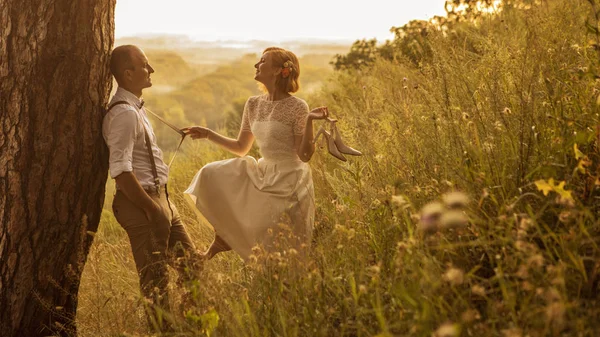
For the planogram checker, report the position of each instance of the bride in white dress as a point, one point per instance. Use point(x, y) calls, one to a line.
point(248, 201)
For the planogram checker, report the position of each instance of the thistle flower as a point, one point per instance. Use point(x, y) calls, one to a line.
point(432, 210)
point(447, 330)
point(456, 199)
point(470, 316)
point(454, 276)
point(399, 201)
point(453, 219)
point(478, 290)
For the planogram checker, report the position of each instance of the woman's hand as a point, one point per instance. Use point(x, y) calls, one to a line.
point(319, 113)
point(197, 132)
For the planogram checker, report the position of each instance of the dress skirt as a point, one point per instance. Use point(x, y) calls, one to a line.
point(250, 202)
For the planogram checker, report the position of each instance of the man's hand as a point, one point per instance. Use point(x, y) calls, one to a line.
point(156, 215)
point(132, 189)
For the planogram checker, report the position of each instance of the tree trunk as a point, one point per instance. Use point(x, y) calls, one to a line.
point(54, 81)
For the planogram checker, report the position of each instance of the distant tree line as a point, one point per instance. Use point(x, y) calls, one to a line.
point(410, 39)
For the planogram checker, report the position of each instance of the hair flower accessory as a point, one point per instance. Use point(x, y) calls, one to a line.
point(287, 69)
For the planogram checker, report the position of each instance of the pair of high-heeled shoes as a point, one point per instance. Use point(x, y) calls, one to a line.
point(335, 145)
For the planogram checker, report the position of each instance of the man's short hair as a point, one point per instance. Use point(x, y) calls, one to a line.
point(121, 60)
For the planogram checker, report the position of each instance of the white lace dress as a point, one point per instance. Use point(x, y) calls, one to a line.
point(243, 198)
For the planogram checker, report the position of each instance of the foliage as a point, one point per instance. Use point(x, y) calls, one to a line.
point(410, 40)
point(507, 116)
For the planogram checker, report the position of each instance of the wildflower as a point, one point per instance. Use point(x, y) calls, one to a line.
point(535, 261)
point(362, 289)
point(456, 199)
point(487, 147)
point(478, 290)
point(340, 208)
point(453, 219)
point(256, 249)
point(525, 223)
point(447, 330)
point(470, 315)
point(399, 201)
point(566, 201)
point(455, 276)
point(428, 227)
point(376, 269)
point(512, 332)
point(430, 214)
point(507, 111)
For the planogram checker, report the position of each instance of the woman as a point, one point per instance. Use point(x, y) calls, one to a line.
point(245, 200)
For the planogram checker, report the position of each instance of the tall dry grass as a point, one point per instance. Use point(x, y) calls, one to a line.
point(395, 252)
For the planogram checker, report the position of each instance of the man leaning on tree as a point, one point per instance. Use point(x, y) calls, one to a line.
point(141, 204)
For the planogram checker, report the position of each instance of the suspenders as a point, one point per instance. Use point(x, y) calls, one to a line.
point(148, 147)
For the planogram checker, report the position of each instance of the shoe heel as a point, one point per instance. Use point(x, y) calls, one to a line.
point(331, 148)
point(339, 143)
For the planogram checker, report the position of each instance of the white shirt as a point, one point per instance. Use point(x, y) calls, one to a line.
point(123, 131)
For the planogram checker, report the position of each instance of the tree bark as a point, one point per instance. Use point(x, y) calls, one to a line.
point(54, 82)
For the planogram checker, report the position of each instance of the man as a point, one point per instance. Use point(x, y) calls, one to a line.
point(141, 204)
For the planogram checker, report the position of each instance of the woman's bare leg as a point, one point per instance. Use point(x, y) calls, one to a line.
point(218, 246)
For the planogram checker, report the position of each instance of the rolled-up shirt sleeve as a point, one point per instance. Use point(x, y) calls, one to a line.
point(120, 132)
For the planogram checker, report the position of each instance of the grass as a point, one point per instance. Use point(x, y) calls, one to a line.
point(503, 107)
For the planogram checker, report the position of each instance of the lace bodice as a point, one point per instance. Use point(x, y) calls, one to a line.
point(274, 125)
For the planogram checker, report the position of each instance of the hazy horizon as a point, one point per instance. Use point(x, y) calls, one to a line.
point(315, 20)
point(208, 41)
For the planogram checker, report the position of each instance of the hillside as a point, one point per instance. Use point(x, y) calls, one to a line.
point(473, 210)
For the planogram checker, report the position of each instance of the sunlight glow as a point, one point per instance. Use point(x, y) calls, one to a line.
point(269, 19)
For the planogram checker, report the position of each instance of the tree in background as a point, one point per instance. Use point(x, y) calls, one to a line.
point(410, 39)
point(54, 82)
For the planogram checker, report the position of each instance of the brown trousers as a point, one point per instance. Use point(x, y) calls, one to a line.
point(154, 246)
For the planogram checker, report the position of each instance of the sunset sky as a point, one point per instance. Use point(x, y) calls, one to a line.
point(270, 20)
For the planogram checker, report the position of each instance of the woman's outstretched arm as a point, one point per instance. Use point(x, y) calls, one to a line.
point(239, 146)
